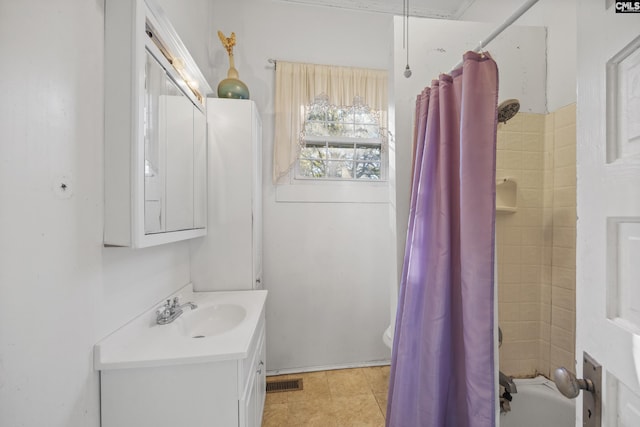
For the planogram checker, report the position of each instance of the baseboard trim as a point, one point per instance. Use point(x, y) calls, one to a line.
point(328, 367)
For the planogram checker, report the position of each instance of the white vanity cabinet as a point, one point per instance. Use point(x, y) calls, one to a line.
point(230, 257)
point(155, 130)
point(225, 393)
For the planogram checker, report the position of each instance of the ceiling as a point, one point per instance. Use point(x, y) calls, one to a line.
point(443, 9)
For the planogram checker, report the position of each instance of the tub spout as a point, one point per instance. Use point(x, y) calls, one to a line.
point(508, 384)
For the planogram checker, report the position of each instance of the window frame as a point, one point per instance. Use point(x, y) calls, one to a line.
point(327, 136)
point(350, 145)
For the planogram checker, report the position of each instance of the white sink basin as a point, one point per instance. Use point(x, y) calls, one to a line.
point(226, 322)
point(212, 320)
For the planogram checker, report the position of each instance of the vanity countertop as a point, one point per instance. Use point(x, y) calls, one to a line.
point(143, 343)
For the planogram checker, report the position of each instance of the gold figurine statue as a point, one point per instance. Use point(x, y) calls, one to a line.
point(232, 86)
point(228, 42)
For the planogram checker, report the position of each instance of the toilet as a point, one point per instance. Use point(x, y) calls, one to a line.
point(387, 337)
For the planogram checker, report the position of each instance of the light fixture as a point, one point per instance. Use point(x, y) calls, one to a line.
point(405, 39)
point(178, 63)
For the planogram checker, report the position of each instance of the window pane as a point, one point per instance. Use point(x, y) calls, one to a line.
point(312, 168)
point(341, 152)
point(333, 113)
point(366, 131)
point(334, 128)
point(348, 130)
point(313, 152)
point(316, 128)
point(369, 170)
point(339, 169)
point(361, 116)
point(317, 111)
point(368, 153)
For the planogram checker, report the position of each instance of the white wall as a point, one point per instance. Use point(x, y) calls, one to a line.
point(326, 265)
point(559, 16)
point(437, 45)
point(60, 290)
point(193, 24)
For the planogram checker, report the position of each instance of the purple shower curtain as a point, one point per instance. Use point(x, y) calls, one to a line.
point(442, 369)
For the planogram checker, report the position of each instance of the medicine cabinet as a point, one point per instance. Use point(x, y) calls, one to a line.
point(155, 130)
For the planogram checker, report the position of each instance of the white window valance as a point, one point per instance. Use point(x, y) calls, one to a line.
point(298, 84)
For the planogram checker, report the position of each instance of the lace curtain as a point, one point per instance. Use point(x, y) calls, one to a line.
point(298, 84)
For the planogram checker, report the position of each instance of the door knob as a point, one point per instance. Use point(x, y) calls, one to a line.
point(569, 385)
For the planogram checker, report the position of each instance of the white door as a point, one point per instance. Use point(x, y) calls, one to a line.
point(608, 242)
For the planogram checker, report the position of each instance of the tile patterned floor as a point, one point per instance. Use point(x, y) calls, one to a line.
point(340, 398)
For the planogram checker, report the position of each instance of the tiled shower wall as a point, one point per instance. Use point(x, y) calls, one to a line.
point(520, 245)
point(563, 255)
point(536, 244)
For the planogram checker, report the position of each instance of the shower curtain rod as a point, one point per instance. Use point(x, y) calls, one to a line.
point(506, 24)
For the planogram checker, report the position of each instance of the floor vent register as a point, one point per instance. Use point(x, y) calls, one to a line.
point(294, 384)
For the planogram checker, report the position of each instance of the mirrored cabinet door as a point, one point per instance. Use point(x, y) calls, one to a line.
point(154, 151)
point(177, 134)
point(200, 168)
point(175, 155)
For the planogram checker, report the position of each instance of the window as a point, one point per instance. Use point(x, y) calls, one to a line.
point(329, 127)
point(341, 143)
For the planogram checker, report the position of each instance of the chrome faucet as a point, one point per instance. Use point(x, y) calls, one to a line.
point(171, 310)
point(509, 387)
point(508, 384)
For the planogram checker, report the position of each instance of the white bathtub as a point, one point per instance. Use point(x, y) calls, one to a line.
point(538, 403)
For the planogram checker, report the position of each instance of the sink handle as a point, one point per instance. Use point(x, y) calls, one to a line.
point(166, 307)
point(164, 312)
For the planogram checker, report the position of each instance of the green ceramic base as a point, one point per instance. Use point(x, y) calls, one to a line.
point(233, 88)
